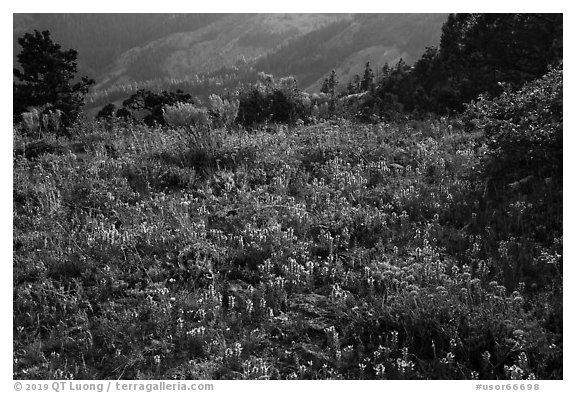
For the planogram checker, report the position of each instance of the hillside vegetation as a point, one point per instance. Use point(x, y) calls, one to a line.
point(335, 250)
point(396, 231)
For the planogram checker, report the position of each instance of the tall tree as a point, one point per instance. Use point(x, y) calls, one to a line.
point(367, 82)
point(481, 50)
point(478, 53)
point(46, 77)
point(329, 84)
point(386, 70)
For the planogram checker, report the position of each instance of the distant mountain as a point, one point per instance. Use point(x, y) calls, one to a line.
point(348, 44)
point(101, 38)
point(224, 42)
point(121, 49)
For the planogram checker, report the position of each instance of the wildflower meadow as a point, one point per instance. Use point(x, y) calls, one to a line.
point(335, 250)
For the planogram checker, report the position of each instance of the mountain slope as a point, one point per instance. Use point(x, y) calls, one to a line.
point(347, 45)
point(101, 38)
point(224, 42)
point(121, 49)
point(304, 45)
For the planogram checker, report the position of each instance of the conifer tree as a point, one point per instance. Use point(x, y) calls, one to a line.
point(46, 77)
point(367, 82)
point(386, 71)
point(329, 84)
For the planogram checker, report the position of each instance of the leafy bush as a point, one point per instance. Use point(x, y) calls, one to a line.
point(184, 115)
point(523, 130)
point(38, 120)
point(107, 112)
point(149, 106)
point(224, 112)
point(521, 178)
point(31, 120)
point(273, 101)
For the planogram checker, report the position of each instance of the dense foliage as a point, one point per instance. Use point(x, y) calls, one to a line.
point(478, 53)
point(273, 101)
point(523, 166)
point(523, 130)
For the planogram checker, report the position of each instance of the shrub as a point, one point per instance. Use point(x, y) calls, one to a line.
point(521, 177)
point(107, 112)
point(273, 101)
point(37, 120)
point(523, 130)
point(184, 115)
point(150, 105)
point(31, 120)
point(224, 112)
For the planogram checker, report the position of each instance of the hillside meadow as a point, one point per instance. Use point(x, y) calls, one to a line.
point(334, 250)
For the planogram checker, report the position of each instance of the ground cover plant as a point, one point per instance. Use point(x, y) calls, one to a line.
point(331, 250)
